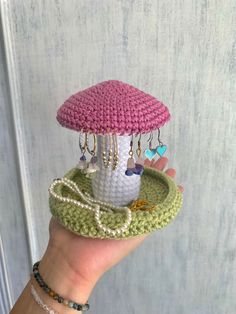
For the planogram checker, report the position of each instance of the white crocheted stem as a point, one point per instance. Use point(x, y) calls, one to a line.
point(114, 186)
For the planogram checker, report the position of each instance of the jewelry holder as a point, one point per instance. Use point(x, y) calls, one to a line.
point(114, 195)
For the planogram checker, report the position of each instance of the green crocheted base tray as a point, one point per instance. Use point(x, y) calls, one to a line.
point(156, 187)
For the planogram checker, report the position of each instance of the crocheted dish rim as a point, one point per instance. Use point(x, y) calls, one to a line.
point(170, 183)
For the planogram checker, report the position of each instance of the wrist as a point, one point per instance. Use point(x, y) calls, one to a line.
point(63, 279)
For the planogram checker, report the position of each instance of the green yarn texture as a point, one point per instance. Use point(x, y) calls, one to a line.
point(156, 187)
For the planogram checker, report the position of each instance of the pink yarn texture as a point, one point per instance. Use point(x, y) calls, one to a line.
point(113, 107)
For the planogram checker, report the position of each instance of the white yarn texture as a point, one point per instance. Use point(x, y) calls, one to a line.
point(114, 186)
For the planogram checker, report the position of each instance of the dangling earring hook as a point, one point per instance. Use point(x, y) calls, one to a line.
point(159, 141)
point(82, 162)
point(92, 151)
point(131, 153)
point(130, 161)
point(138, 150)
point(150, 140)
point(139, 165)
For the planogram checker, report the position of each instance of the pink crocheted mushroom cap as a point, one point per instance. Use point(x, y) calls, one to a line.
point(113, 107)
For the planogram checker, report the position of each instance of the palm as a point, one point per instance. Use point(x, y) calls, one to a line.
point(87, 255)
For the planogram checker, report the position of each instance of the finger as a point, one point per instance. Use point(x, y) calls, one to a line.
point(152, 162)
point(171, 172)
point(181, 188)
point(161, 163)
point(147, 162)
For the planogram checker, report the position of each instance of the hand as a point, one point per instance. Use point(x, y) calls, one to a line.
point(84, 260)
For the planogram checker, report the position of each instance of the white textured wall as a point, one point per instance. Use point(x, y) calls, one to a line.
point(184, 53)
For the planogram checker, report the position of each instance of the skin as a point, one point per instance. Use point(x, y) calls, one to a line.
point(72, 265)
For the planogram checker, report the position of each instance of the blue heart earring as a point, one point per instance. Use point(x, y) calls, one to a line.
point(150, 152)
point(161, 148)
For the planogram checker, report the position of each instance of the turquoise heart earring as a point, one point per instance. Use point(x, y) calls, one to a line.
point(161, 148)
point(150, 152)
point(130, 162)
point(82, 165)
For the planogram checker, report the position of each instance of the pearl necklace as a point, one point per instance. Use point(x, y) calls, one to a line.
point(92, 205)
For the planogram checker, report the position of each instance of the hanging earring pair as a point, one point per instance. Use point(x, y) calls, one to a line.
point(132, 166)
point(91, 167)
point(112, 158)
point(160, 149)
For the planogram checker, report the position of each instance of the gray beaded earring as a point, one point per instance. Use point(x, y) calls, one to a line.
point(107, 160)
point(116, 153)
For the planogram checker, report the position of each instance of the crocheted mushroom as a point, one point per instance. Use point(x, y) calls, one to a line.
point(115, 112)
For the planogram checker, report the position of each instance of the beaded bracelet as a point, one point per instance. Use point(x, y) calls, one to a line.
point(54, 295)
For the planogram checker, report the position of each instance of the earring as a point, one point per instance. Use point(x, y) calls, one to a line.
point(139, 165)
point(92, 166)
point(150, 152)
point(107, 160)
point(161, 148)
point(130, 163)
point(82, 162)
point(116, 156)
